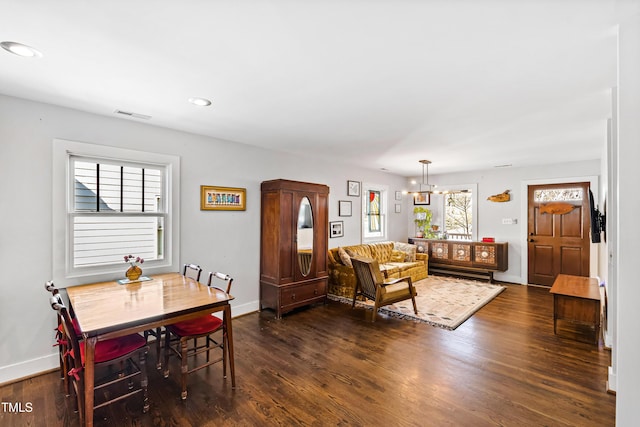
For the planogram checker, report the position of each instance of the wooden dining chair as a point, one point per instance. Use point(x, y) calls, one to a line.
point(192, 271)
point(371, 284)
point(117, 354)
point(206, 327)
point(61, 338)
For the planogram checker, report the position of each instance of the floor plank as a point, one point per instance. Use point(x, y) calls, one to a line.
point(329, 365)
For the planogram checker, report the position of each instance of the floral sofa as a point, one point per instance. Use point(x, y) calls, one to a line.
point(396, 260)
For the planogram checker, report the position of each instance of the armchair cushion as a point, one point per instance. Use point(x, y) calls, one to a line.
point(396, 290)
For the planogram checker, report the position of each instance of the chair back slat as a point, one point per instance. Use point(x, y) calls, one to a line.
point(69, 329)
point(365, 275)
point(192, 271)
point(220, 276)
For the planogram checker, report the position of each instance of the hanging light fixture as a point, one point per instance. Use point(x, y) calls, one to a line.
point(428, 188)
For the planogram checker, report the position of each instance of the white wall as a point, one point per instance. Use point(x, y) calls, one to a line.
point(223, 241)
point(628, 231)
point(491, 214)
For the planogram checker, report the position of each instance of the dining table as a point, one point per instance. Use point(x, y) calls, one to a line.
point(109, 309)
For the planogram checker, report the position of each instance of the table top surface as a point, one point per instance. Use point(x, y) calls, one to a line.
point(107, 305)
point(576, 286)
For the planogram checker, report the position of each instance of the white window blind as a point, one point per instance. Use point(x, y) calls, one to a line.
point(117, 208)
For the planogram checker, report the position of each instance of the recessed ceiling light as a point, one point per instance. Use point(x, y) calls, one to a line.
point(20, 49)
point(201, 102)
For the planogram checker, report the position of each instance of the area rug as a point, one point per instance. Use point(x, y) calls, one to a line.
point(445, 302)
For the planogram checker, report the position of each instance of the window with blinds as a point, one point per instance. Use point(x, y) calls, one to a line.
point(116, 209)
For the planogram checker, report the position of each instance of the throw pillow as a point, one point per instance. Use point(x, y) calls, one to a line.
point(408, 249)
point(397, 256)
point(344, 257)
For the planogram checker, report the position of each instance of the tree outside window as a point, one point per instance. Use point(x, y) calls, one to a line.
point(459, 215)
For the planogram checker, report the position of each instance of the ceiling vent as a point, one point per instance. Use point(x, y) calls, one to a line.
point(134, 115)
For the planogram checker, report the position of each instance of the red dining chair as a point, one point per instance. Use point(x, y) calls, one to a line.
point(192, 271)
point(202, 327)
point(116, 352)
point(61, 338)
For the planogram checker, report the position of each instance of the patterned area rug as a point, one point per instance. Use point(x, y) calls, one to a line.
point(445, 302)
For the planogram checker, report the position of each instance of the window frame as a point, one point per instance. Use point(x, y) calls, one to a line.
point(474, 206)
point(64, 212)
point(381, 236)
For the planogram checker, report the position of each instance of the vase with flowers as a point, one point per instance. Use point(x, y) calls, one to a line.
point(134, 271)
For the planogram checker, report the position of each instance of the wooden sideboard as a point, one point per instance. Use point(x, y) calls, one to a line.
point(465, 258)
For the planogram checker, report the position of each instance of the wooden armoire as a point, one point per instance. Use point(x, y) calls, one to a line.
point(293, 244)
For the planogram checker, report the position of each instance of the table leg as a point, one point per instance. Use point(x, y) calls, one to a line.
point(227, 321)
point(89, 376)
point(555, 312)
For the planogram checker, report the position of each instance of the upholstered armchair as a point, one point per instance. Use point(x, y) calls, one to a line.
point(372, 285)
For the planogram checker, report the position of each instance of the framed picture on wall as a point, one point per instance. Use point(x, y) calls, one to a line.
point(398, 207)
point(353, 188)
point(214, 198)
point(344, 208)
point(336, 229)
point(398, 195)
point(422, 198)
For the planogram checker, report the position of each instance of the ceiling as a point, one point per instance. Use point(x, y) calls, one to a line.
point(469, 85)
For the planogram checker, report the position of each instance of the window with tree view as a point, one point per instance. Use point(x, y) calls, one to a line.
point(458, 215)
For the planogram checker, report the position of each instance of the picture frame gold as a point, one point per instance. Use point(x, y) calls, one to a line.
point(214, 198)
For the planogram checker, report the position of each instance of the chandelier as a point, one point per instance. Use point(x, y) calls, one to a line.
point(425, 187)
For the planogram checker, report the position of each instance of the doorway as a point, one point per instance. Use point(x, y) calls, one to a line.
point(558, 231)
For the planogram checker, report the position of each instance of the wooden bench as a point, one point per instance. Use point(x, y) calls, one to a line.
point(576, 299)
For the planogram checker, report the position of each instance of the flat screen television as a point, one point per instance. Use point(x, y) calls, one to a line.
point(597, 220)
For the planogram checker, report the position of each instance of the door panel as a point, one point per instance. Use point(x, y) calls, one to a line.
point(558, 237)
point(544, 257)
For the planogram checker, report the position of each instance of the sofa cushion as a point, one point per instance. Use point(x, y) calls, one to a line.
point(359, 250)
point(397, 256)
point(344, 257)
point(381, 251)
point(408, 249)
point(390, 270)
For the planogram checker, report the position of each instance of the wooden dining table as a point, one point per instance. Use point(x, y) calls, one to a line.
point(108, 310)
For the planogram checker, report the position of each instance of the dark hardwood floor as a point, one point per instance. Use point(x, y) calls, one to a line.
point(329, 365)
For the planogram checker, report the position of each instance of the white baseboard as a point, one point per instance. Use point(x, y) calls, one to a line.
point(29, 368)
point(44, 364)
point(242, 309)
point(612, 381)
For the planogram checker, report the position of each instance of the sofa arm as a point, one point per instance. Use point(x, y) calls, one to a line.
point(424, 258)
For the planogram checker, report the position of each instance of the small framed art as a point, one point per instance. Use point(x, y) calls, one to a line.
point(222, 198)
point(344, 208)
point(353, 188)
point(398, 195)
point(336, 229)
point(398, 207)
point(422, 198)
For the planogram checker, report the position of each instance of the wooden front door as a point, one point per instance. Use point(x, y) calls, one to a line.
point(558, 231)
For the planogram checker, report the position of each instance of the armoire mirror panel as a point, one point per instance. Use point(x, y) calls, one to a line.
point(305, 236)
